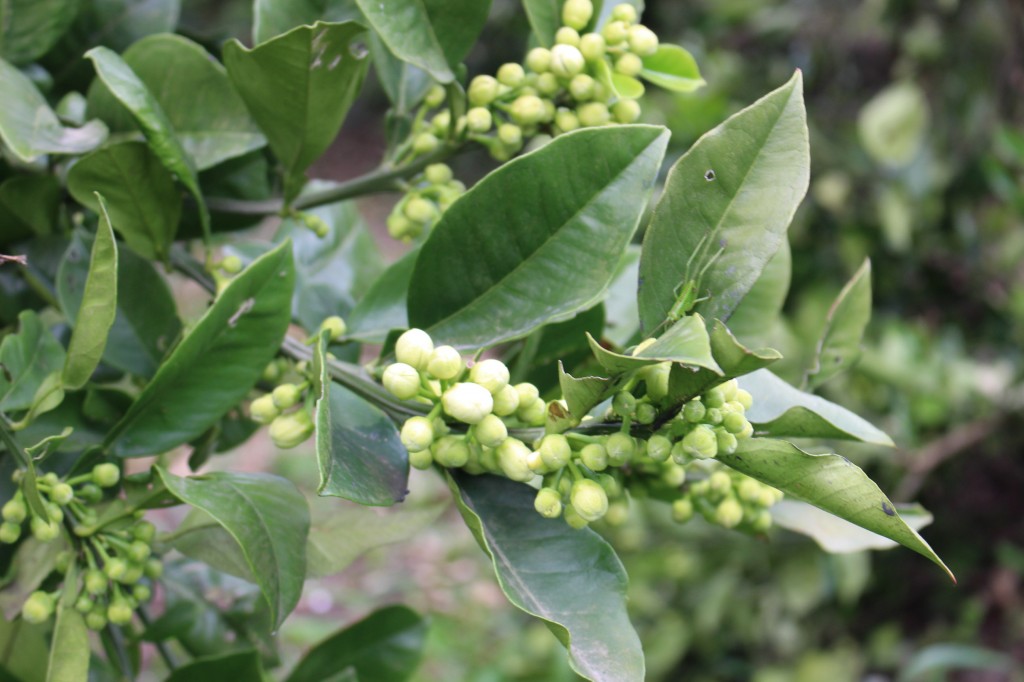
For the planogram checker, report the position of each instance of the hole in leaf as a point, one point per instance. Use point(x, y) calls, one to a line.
point(709, 175)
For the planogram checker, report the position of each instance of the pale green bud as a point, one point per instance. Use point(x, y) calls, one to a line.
point(624, 12)
point(734, 422)
point(106, 475)
point(425, 143)
point(9, 532)
point(417, 433)
point(615, 32)
point(713, 416)
point(231, 265)
point(589, 499)
point(513, 459)
point(577, 13)
point(451, 451)
point(642, 41)
point(37, 608)
point(762, 522)
point(726, 442)
point(437, 173)
point(153, 569)
point(441, 122)
point(682, 510)
point(620, 447)
point(536, 463)
point(538, 59)
point(506, 401)
point(624, 404)
point(491, 374)
point(547, 84)
point(581, 87)
point(95, 582)
point(490, 431)
point(592, 46)
point(566, 120)
point(720, 483)
point(533, 414)
point(422, 460)
point(445, 363)
point(400, 227)
point(414, 348)
point(715, 397)
point(749, 490)
point(593, 114)
point(629, 64)
point(744, 398)
point(286, 396)
point(435, 96)
point(96, 620)
point(673, 475)
point(594, 456)
point(527, 110)
point(659, 448)
point(510, 135)
point(401, 380)
point(263, 410)
point(555, 451)
point(15, 510)
point(701, 442)
point(420, 210)
point(528, 394)
point(479, 120)
point(467, 402)
point(290, 430)
point(567, 36)
point(566, 61)
point(645, 414)
point(548, 503)
point(573, 518)
point(335, 326)
point(729, 513)
point(746, 433)
point(511, 74)
point(626, 111)
point(482, 91)
point(119, 613)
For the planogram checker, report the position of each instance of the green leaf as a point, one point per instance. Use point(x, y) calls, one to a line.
point(622, 320)
point(25, 650)
point(192, 88)
point(299, 87)
point(201, 537)
point(146, 325)
point(358, 448)
point(27, 358)
point(242, 665)
point(271, 18)
point(332, 272)
point(29, 204)
point(583, 393)
point(98, 309)
point(759, 310)
point(404, 26)
point(69, 650)
point(404, 84)
point(732, 357)
point(386, 646)
point(545, 17)
point(29, 28)
point(268, 518)
point(341, 532)
point(686, 343)
point(33, 563)
point(29, 126)
point(673, 68)
point(131, 92)
point(383, 308)
point(735, 190)
point(893, 124)
point(829, 482)
point(835, 535)
point(840, 343)
point(216, 364)
point(119, 23)
point(572, 579)
point(781, 411)
point(457, 25)
point(496, 267)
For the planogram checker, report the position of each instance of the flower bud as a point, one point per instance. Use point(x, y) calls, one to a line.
point(263, 410)
point(611, 485)
point(62, 494)
point(645, 413)
point(435, 96)
point(84, 603)
point(286, 396)
point(533, 414)
point(511, 74)
point(547, 84)
point(592, 46)
point(437, 173)
point(445, 363)
point(119, 612)
point(451, 451)
point(14, 510)
point(414, 348)
point(566, 61)
point(673, 475)
point(400, 227)
point(749, 490)
point(555, 451)
point(581, 87)
point(734, 422)
point(96, 620)
point(620, 447)
point(425, 143)
point(626, 111)
point(506, 401)
point(334, 325)
point(567, 36)
point(615, 32)
point(577, 13)
point(642, 41)
point(548, 503)
point(513, 458)
point(566, 120)
point(714, 397)
point(44, 530)
point(9, 532)
point(659, 448)
point(422, 460)
point(491, 374)
point(729, 513)
point(467, 402)
point(490, 431)
point(289, 430)
point(713, 416)
point(538, 59)
point(536, 463)
point(420, 210)
point(482, 91)
point(701, 442)
point(479, 120)
point(527, 110)
point(589, 499)
point(142, 593)
point(682, 510)
point(624, 404)
point(720, 483)
point(417, 433)
point(133, 574)
point(744, 398)
point(510, 135)
point(37, 608)
point(726, 442)
point(594, 456)
point(106, 475)
point(139, 551)
point(593, 114)
point(95, 582)
point(629, 65)
point(115, 568)
point(153, 569)
point(441, 122)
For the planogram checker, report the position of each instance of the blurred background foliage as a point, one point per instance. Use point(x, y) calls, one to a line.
point(916, 109)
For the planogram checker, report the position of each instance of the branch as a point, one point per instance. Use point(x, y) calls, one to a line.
point(20, 260)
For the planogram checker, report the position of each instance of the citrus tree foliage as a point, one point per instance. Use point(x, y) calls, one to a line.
point(553, 344)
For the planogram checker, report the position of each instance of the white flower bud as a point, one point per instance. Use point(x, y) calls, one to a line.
point(577, 13)
point(402, 381)
point(513, 458)
point(417, 433)
point(290, 430)
point(538, 59)
point(490, 432)
point(445, 363)
point(285, 396)
point(642, 41)
point(467, 402)
point(451, 452)
point(414, 348)
point(555, 451)
point(566, 61)
point(589, 499)
point(491, 374)
point(263, 410)
point(506, 401)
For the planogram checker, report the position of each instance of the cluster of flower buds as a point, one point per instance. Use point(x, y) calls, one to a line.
point(727, 498)
point(114, 554)
point(428, 195)
point(288, 407)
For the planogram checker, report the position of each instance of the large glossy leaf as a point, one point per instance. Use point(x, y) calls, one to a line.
point(29, 28)
point(268, 518)
point(545, 18)
point(404, 26)
point(732, 357)
point(29, 126)
point(735, 190)
point(686, 343)
point(271, 18)
point(96, 314)
point(142, 200)
point(537, 240)
point(829, 482)
point(383, 308)
point(299, 87)
point(386, 646)
point(242, 665)
point(837, 535)
point(133, 94)
point(28, 357)
point(572, 579)
point(581, 393)
point(192, 88)
point(69, 650)
point(840, 343)
point(358, 448)
point(673, 68)
point(145, 327)
point(457, 25)
point(216, 364)
point(759, 310)
point(332, 272)
point(781, 411)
